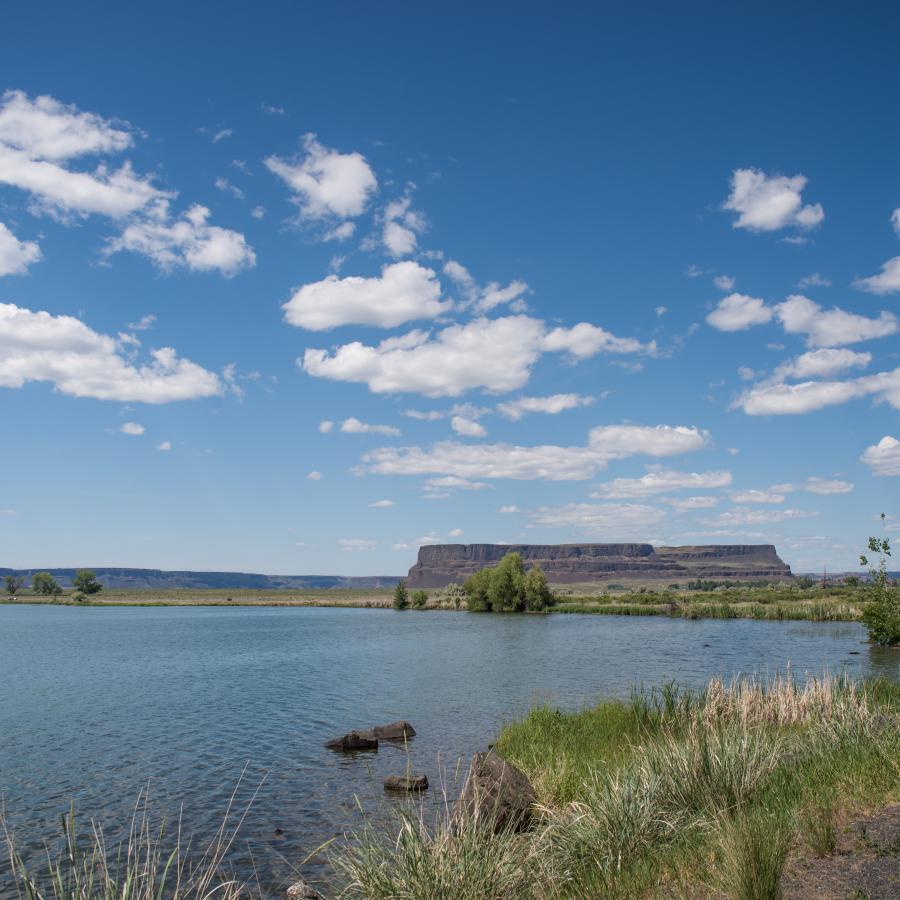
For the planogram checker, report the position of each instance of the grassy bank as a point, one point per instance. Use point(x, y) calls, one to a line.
point(672, 794)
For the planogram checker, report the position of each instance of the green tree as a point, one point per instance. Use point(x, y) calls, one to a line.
point(419, 599)
point(881, 614)
point(86, 582)
point(14, 584)
point(401, 596)
point(538, 595)
point(507, 582)
point(44, 583)
point(477, 588)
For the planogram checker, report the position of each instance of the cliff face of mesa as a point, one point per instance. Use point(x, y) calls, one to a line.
point(443, 564)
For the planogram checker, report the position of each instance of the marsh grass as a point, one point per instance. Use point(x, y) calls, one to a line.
point(754, 849)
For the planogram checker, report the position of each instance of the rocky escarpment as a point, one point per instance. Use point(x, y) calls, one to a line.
point(442, 564)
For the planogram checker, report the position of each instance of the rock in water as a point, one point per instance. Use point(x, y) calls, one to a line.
point(300, 890)
point(395, 731)
point(499, 793)
point(354, 740)
point(406, 783)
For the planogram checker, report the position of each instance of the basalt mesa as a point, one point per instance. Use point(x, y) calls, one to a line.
point(441, 564)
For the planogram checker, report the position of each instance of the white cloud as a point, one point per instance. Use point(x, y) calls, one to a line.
point(493, 354)
point(401, 227)
point(737, 312)
point(467, 427)
point(508, 510)
point(190, 241)
point(258, 212)
point(813, 280)
point(610, 520)
point(315, 475)
point(164, 446)
point(883, 458)
point(382, 504)
point(325, 426)
point(831, 328)
point(584, 340)
point(822, 364)
point(222, 134)
point(887, 281)
point(742, 515)
point(454, 483)
point(490, 296)
point(223, 184)
point(686, 504)
point(661, 310)
point(404, 291)
point(556, 403)
point(770, 202)
point(132, 428)
point(724, 282)
point(143, 324)
point(550, 462)
point(455, 532)
point(15, 255)
point(326, 183)
point(354, 426)
point(792, 399)
point(661, 481)
point(752, 495)
point(354, 545)
point(341, 232)
point(826, 486)
point(80, 362)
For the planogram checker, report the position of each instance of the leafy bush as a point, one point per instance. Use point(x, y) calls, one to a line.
point(419, 599)
point(44, 583)
point(507, 588)
point(881, 615)
point(85, 581)
point(14, 584)
point(79, 596)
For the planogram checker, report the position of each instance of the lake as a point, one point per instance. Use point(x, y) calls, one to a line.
point(98, 703)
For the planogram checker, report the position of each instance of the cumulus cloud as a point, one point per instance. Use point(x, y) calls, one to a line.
point(737, 312)
point(325, 182)
point(826, 486)
point(15, 255)
point(80, 362)
point(132, 428)
point(491, 295)
point(467, 427)
point(584, 340)
point(753, 495)
point(661, 481)
point(382, 504)
point(887, 281)
point(164, 446)
point(404, 291)
point(315, 475)
point(822, 364)
point(401, 227)
point(610, 520)
point(354, 426)
point(549, 462)
point(189, 241)
point(883, 458)
point(687, 504)
point(724, 282)
point(454, 483)
point(326, 426)
point(492, 354)
point(556, 403)
point(354, 545)
point(813, 280)
point(742, 515)
point(770, 202)
point(508, 510)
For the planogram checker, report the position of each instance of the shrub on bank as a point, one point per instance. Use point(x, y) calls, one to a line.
point(507, 588)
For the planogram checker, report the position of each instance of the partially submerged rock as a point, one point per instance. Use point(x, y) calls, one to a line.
point(497, 792)
point(406, 783)
point(394, 731)
point(301, 890)
point(353, 740)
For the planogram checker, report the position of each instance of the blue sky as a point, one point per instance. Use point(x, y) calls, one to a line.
point(295, 289)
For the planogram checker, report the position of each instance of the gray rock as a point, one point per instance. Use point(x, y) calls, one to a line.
point(497, 792)
point(406, 783)
point(300, 890)
point(394, 731)
point(354, 740)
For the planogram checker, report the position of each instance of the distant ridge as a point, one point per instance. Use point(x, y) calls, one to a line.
point(161, 579)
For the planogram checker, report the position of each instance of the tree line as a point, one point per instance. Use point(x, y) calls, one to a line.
point(84, 584)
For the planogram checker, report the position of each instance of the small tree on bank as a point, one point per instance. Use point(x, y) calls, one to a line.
point(401, 596)
point(44, 583)
point(14, 584)
point(86, 582)
point(881, 615)
point(419, 599)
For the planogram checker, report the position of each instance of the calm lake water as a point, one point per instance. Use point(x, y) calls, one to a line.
point(97, 703)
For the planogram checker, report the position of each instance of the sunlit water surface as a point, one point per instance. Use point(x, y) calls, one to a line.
point(95, 704)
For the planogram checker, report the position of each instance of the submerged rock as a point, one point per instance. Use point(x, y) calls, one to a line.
point(406, 783)
point(394, 731)
point(353, 740)
point(300, 890)
point(497, 792)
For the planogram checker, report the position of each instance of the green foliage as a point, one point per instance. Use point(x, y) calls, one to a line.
point(86, 582)
point(14, 584)
point(881, 615)
point(79, 596)
point(44, 583)
point(401, 596)
point(507, 588)
point(755, 846)
point(419, 599)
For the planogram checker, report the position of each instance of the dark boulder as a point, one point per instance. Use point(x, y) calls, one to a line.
point(394, 731)
point(354, 740)
point(497, 792)
point(406, 783)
